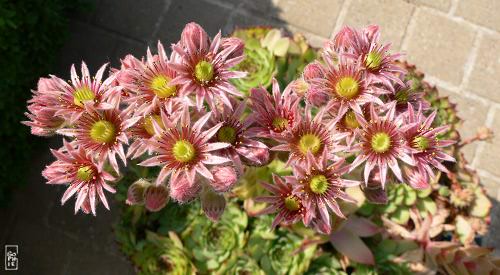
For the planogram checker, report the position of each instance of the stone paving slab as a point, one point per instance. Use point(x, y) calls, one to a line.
point(392, 16)
point(454, 41)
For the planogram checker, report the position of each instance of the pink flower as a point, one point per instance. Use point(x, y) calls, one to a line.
point(289, 206)
point(234, 132)
point(103, 132)
point(144, 130)
point(225, 177)
point(380, 65)
point(150, 82)
point(75, 95)
point(86, 178)
point(319, 185)
point(204, 67)
point(381, 145)
point(185, 149)
point(347, 87)
point(423, 139)
point(310, 135)
point(155, 197)
point(42, 109)
point(363, 47)
point(273, 115)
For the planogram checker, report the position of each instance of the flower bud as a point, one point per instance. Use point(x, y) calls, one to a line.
point(182, 191)
point(257, 157)
point(316, 97)
point(484, 133)
point(135, 193)
point(192, 35)
point(416, 179)
point(313, 70)
point(212, 203)
point(155, 197)
point(224, 178)
point(235, 42)
point(299, 87)
point(343, 38)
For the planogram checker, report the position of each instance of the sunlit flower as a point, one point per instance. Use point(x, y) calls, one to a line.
point(310, 135)
point(288, 205)
point(73, 96)
point(85, 177)
point(319, 185)
point(149, 82)
point(234, 132)
point(381, 145)
point(347, 86)
point(275, 114)
point(424, 142)
point(363, 46)
point(185, 149)
point(144, 130)
point(103, 133)
point(204, 67)
point(348, 123)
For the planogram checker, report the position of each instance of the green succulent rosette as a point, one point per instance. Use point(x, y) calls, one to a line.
point(325, 264)
point(278, 251)
point(259, 63)
point(242, 264)
point(171, 254)
point(211, 244)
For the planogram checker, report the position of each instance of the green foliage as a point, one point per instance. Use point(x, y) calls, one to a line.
point(211, 244)
point(31, 33)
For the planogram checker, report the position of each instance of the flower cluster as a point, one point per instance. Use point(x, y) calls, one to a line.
point(363, 112)
point(350, 112)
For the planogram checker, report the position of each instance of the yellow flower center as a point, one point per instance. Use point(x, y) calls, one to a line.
point(160, 86)
point(183, 151)
point(148, 123)
point(309, 142)
point(350, 120)
point(318, 184)
point(420, 143)
point(103, 131)
point(347, 87)
point(373, 60)
point(280, 124)
point(227, 134)
point(381, 142)
point(291, 203)
point(81, 95)
point(85, 173)
point(204, 71)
